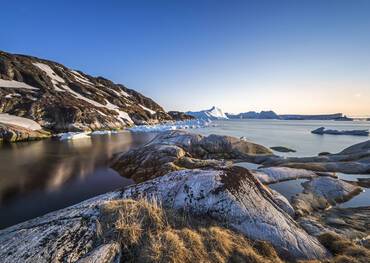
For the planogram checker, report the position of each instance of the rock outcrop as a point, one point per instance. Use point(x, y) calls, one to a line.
point(175, 150)
point(353, 160)
point(322, 192)
point(14, 133)
point(278, 174)
point(231, 196)
point(61, 99)
point(322, 131)
point(282, 149)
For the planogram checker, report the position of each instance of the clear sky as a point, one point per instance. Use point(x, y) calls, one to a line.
point(289, 56)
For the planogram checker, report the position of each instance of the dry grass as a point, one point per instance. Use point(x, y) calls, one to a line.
point(148, 233)
point(343, 250)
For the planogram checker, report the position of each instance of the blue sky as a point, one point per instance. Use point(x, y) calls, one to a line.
point(288, 56)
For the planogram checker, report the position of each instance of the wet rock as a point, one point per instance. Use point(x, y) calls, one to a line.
point(175, 150)
point(231, 196)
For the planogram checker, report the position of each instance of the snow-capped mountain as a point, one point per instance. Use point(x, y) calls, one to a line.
point(212, 114)
point(62, 99)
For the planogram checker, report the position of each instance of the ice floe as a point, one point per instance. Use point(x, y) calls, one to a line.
point(179, 125)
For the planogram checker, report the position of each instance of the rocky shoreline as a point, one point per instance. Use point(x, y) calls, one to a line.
point(194, 174)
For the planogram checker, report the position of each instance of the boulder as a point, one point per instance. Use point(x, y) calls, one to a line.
point(231, 196)
point(278, 174)
point(322, 192)
point(282, 149)
point(175, 150)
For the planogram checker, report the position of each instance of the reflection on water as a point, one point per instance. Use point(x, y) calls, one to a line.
point(39, 177)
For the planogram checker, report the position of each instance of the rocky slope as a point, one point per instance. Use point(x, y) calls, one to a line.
point(61, 99)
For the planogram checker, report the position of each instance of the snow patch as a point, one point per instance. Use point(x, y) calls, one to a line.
point(9, 96)
point(55, 79)
point(121, 93)
point(121, 114)
point(13, 84)
point(20, 121)
point(147, 109)
point(81, 79)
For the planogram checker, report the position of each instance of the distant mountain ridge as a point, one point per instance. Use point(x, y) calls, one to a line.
point(61, 99)
point(217, 114)
point(254, 115)
point(212, 114)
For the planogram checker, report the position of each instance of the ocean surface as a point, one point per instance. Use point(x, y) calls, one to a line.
point(292, 134)
point(42, 176)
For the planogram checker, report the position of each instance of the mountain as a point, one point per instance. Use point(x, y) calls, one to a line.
point(335, 116)
point(61, 99)
point(211, 114)
point(254, 115)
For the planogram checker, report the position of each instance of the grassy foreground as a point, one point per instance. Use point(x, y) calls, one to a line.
point(149, 233)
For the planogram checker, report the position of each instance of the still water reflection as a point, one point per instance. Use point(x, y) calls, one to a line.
point(39, 177)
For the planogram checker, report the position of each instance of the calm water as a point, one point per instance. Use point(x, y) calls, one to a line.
point(293, 134)
point(39, 177)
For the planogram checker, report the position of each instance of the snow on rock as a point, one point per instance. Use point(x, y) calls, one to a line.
point(55, 79)
point(15, 85)
point(277, 174)
point(73, 135)
point(81, 78)
point(211, 114)
point(232, 196)
point(147, 109)
point(9, 96)
point(19, 121)
point(121, 114)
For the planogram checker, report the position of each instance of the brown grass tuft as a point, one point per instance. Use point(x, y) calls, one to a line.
point(344, 250)
point(149, 233)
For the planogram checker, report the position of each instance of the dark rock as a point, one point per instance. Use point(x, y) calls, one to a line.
point(322, 131)
point(179, 116)
point(282, 149)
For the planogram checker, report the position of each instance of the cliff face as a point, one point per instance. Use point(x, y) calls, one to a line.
point(62, 99)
